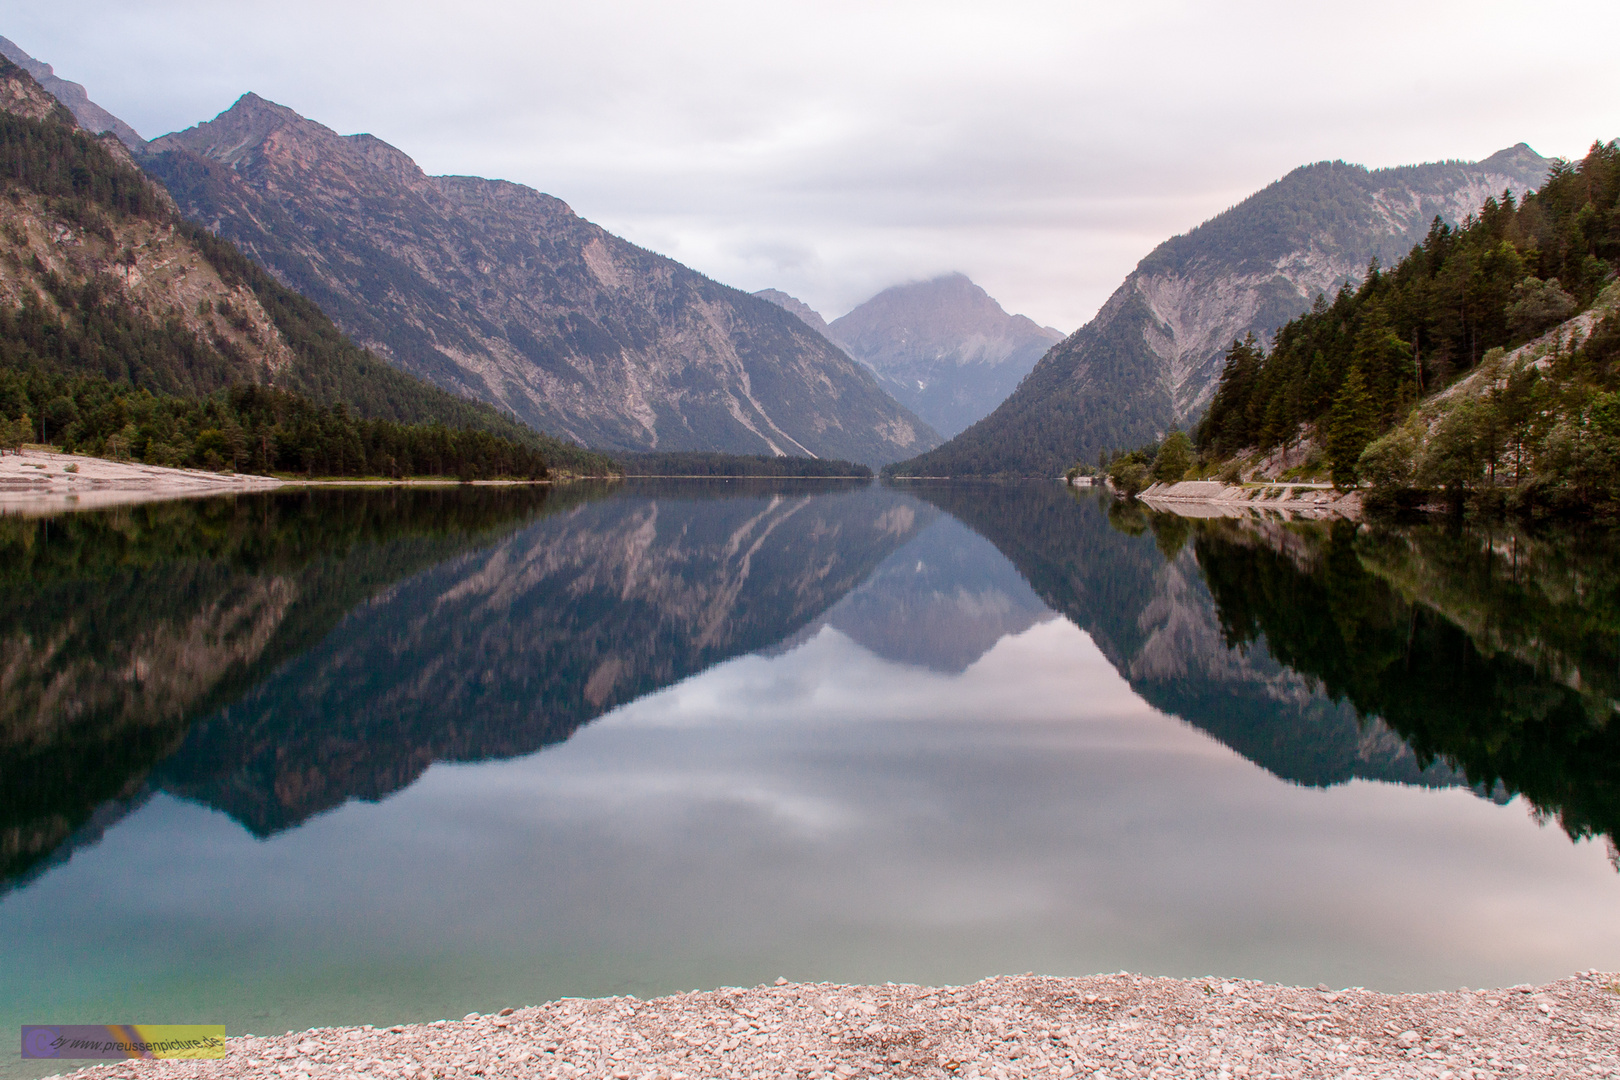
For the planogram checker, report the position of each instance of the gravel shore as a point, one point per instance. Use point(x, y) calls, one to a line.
point(1102, 1027)
point(1210, 499)
point(40, 482)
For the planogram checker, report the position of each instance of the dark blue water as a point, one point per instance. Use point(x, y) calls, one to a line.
point(369, 757)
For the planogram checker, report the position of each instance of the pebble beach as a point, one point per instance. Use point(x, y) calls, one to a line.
point(1101, 1027)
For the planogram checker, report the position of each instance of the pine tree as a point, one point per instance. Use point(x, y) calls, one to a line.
point(1352, 424)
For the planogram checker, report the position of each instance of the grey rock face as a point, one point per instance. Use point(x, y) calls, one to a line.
point(1151, 358)
point(804, 311)
point(91, 117)
point(501, 293)
point(944, 348)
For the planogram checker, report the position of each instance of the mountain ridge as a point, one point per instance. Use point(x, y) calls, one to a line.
point(501, 292)
point(1151, 357)
point(105, 288)
point(90, 116)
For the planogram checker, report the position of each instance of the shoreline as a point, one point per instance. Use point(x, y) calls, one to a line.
point(1291, 501)
point(1105, 1027)
point(37, 482)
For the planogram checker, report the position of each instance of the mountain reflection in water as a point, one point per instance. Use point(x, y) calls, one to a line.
point(280, 654)
point(1429, 654)
point(848, 732)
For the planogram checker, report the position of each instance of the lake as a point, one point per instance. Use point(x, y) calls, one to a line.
point(376, 756)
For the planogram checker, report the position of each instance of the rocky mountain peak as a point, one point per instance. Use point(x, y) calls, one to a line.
point(812, 318)
point(943, 347)
point(74, 98)
point(937, 314)
point(499, 292)
point(21, 95)
point(1518, 161)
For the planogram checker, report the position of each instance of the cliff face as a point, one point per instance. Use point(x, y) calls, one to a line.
point(500, 292)
point(1151, 358)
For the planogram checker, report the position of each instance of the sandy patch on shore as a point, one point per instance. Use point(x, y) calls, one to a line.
point(37, 482)
point(1102, 1027)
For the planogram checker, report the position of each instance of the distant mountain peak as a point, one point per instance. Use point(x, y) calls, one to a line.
point(787, 302)
point(1151, 357)
point(944, 347)
point(90, 116)
point(1517, 159)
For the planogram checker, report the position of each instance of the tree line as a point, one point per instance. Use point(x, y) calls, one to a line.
point(712, 463)
point(1354, 369)
point(254, 429)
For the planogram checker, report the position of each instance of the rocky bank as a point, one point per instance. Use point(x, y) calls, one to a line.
point(1104, 1027)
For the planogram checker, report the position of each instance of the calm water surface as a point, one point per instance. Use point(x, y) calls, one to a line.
point(370, 757)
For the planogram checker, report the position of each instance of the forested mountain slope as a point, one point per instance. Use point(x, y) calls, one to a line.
point(500, 292)
point(1150, 359)
point(105, 290)
point(1537, 276)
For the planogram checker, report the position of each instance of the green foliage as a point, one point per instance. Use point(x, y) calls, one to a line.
point(98, 334)
point(1538, 305)
point(706, 463)
point(1455, 455)
point(1504, 275)
point(250, 429)
point(1390, 461)
point(1351, 425)
point(1174, 458)
point(1080, 468)
point(75, 173)
point(1131, 472)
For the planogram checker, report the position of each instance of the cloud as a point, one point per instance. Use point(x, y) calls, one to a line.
point(832, 149)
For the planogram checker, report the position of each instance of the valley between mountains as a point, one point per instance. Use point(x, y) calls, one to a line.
point(499, 294)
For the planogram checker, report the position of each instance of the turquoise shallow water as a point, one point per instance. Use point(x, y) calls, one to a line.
point(376, 757)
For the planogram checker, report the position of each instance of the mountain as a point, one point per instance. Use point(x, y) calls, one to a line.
point(1535, 276)
point(1152, 356)
point(944, 348)
point(804, 311)
point(499, 292)
point(101, 279)
point(90, 116)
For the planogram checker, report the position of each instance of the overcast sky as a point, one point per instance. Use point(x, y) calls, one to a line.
point(832, 149)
